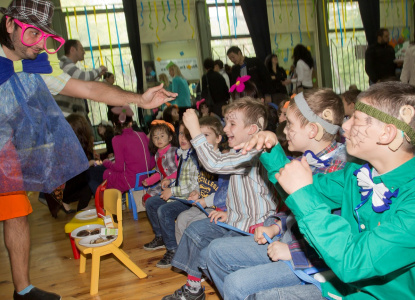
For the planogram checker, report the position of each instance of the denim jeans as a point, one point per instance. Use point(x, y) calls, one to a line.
point(191, 254)
point(295, 292)
point(240, 267)
point(162, 216)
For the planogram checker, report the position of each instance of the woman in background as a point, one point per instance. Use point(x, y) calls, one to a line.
point(303, 62)
point(278, 74)
point(179, 85)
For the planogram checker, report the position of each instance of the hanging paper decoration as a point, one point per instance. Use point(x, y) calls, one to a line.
point(164, 15)
point(387, 12)
point(351, 4)
point(89, 38)
point(325, 22)
point(76, 20)
point(109, 36)
point(175, 14)
point(118, 39)
point(340, 23)
point(185, 19)
point(217, 14)
point(275, 40)
point(291, 11)
point(279, 17)
point(235, 19)
point(406, 13)
point(188, 14)
point(288, 54)
point(273, 11)
point(142, 9)
point(286, 10)
point(314, 8)
point(344, 22)
point(227, 17)
point(69, 24)
point(149, 16)
point(403, 19)
point(181, 53)
point(306, 18)
point(168, 7)
point(158, 59)
point(157, 19)
point(335, 23)
point(99, 45)
point(299, 22)
point(292, 40)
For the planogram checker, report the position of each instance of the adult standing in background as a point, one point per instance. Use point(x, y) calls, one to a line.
point(380, 58)
point(408, 70)
point(303, 74)
point(180, 86)
point(278, 74)
point(74, 52)
point(214, 88)
point(218, 67)
point(253, 67)
point(24, 28)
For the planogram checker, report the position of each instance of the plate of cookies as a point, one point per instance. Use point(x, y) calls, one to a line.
point(86, 230)
point(97, 240)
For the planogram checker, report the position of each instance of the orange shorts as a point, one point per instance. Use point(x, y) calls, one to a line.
point(14, 205)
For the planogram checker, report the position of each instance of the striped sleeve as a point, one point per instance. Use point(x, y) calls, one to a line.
point(55, 84)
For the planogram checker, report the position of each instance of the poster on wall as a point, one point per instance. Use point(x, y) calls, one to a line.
point(150, 71)
point(188, 67)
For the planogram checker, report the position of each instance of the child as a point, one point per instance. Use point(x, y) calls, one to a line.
point(130, 150)
point(313, 119)
point(282, 111)
point(163, 146)
point(370, 247)
point(171, 115)
point(208, 182)
point(349, 99)
point(249, 201)
point(161, 211)
point(106, 132)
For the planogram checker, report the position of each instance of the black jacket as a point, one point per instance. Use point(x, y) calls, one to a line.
point(258, 72)
point(379, 62)
point(217, 87)
point(280, 75)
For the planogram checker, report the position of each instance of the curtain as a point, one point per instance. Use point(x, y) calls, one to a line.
point(256, 17)
point(131, 19)
point(370, 13)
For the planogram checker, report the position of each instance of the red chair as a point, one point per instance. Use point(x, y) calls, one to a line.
point(76, 223)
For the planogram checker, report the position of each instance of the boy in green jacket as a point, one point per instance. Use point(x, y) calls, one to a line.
point(371, 246)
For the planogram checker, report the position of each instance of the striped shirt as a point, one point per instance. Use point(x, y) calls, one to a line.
point(250, 199)
point(69, 67)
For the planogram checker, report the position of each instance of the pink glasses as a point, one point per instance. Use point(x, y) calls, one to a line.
point(32, 35)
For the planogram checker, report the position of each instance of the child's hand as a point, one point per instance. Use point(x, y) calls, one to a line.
point(279, 251)
point(194, 195)
point(218, 216)
point(201, 201)
point(144, 183)
point(165, 183)
point(191, 122)
point(271, 231)
point(295, 175)
point(166, 194)
point(263, 139)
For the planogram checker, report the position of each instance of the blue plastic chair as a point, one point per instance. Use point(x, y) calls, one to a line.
point(138, 187)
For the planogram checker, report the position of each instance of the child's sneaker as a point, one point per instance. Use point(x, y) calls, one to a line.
point(157, 243)
point(36, 294)
point(184, 294)
point(165, 262)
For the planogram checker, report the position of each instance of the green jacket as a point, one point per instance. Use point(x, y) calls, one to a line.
point(379, 261)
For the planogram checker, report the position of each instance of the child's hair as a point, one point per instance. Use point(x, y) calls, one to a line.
point(107, 75)
point(83, 132)
point(186, 131)
point(168, 114)
point(389, 97)
point(176, 70)
point(281, 106)
point(109, 130)
point(249, 91)
point(219, 63)
point(350, 96)
point(254, 111)
point(203, 105)
point(163, 78)
point(212, 123)
point(272, 117)
point(319, 100)
point(153, 149)
point(118, 126)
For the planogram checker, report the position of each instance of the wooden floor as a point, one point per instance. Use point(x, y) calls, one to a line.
point(53, 268)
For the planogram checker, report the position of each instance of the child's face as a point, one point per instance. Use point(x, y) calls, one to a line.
point(184, 143)
point(204, 110)
point(175, 114)
point(161, 139)
point(101, 130)
point(361, 133)
point(283, 115)
point(211, 136)
point(235, 128)
point(297, 136)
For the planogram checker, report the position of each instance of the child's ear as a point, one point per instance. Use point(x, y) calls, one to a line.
point(316, 131)
point(391, 136)
point(170, 138)
point(253, 129)
point(218, 139)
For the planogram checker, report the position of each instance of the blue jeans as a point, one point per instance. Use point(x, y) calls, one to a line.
point(162, 216)
point(240, 267)
point(297, 292)
point(191, 254)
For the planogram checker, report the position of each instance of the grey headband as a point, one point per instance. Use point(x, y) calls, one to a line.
point(312, 117)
